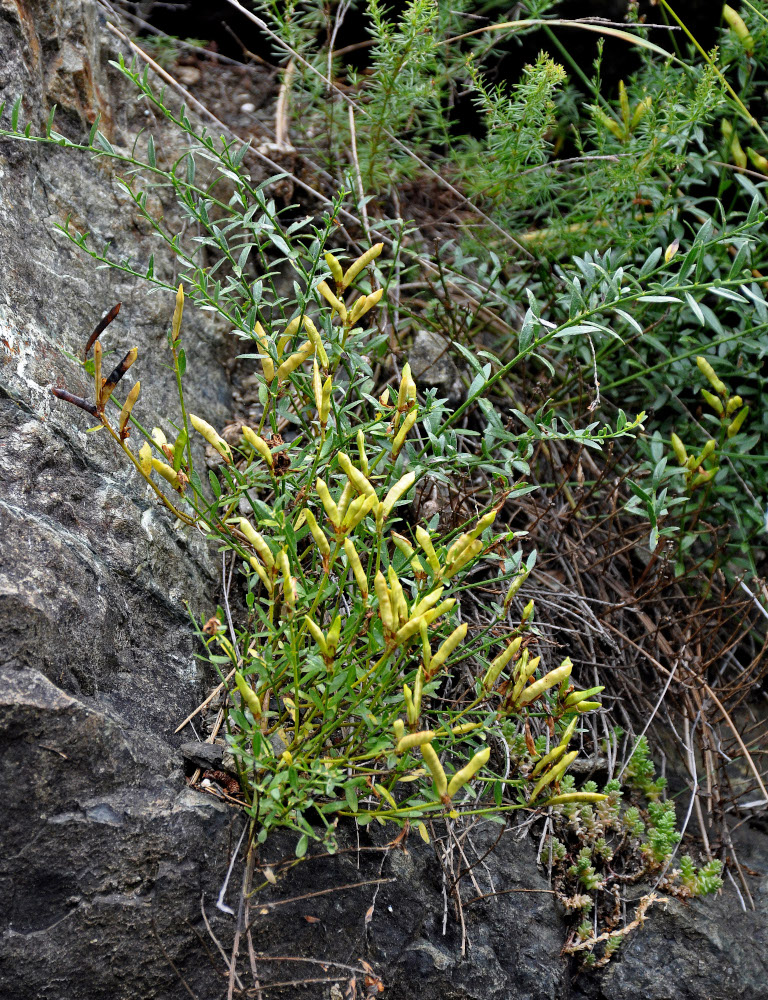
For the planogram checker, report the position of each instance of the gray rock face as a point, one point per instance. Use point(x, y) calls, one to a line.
point(432, 365)
point(105, 854)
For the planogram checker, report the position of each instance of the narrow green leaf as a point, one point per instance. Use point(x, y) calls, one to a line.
point(94, 129)
point(49, 123)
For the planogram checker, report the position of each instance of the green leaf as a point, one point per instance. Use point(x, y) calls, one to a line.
point(49, 123)
point(351, 796)
point(182, 361)
point(104, 143)
point(94, 129)
point(651, 262)
point(215, 485)
point(151, 157)
point(301, 847)
point(197, 486)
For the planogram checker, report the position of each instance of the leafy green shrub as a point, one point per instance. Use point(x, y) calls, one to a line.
point(357, 688)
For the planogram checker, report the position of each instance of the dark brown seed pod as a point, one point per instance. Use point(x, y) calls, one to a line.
point(117, 374)
point(101, 327)
point(69, 397)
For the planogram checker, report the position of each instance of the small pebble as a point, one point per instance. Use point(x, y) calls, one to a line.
point(247, 108)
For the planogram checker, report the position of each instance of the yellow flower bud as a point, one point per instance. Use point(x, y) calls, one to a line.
point(335, 268)
point(457, 548)
point(553, 678)
point(145, 458)
point(576, 696)
point(714, 401)
point(735, 426)
point(317, 634)
point(433, 613)
point(385, 605)
point(739, 28)
point(624, 103)
point(671, 250)
point(461, 777)
point(414, 740)
point(397, 598)
point(404, 393)
point(679, 449)
point(354, 475)
point(317, 343)
point(485, 522)
point(289, 592)
point(706, 451)
point(399, 490)
point(609, 123)
point(467, 555)
point(361, 452)
point(334, 634)
point(527, 612)
point(363, 305)
point(212, 437)
point(410, 708)
point(125, 413)
point(641, 110)
point(260, 572)
point(267, 364)
point(435, 769)
point(551, 758)
point(586, 797)
point(259, 445)
point(248, 695)
point(329, 297)
point(422, 537)
point(331, 509)
point(759, 162)
point(447, 647)
point(362, 262)
point(554, 774)
point(499, 662)
point(292, 363)
point(359, 509)
point(738, 155)
point(465, 727)
point(177, 314)
point(402, 434)
point(258, 542)
point(708, 372)
point(515, 585)
point(357, 569)
point(166, 472)
point(317, 533)
point(427, 602)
